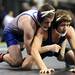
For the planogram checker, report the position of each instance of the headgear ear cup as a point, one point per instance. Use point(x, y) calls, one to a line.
point(54, 23)
point(39, 17)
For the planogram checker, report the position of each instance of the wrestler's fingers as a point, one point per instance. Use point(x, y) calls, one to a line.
point(47, 71)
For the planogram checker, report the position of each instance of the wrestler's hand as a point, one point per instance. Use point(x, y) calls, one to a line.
point(46, 71)
point(56, 48)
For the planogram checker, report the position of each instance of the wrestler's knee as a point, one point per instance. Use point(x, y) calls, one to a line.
point(16, 62)
point(69, 57)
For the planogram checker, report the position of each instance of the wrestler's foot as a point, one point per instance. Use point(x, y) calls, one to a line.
point(46, 71)
point(1, 57)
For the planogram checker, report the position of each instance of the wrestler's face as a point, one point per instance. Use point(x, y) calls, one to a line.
point(63, 27)
point(47, 22)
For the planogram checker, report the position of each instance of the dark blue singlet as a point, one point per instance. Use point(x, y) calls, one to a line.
point(49, 42)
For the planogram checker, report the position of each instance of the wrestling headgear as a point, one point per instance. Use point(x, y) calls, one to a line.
point(62, 16)
point(46, 10)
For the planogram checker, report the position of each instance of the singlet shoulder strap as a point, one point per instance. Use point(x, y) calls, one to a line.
point(25, 14)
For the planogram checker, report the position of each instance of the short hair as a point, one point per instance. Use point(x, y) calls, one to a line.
point(46, 7)
point(63, 14)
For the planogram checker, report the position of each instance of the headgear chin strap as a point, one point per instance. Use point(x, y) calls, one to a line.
point(62, 34)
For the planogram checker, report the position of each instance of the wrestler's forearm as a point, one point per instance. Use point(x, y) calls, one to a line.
point(71, 37)
point(27, 45)
point(63, 46)
point(52, 48)
point(72, 44)
point(39, 60)
point(36, 55)
point(47, 48)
